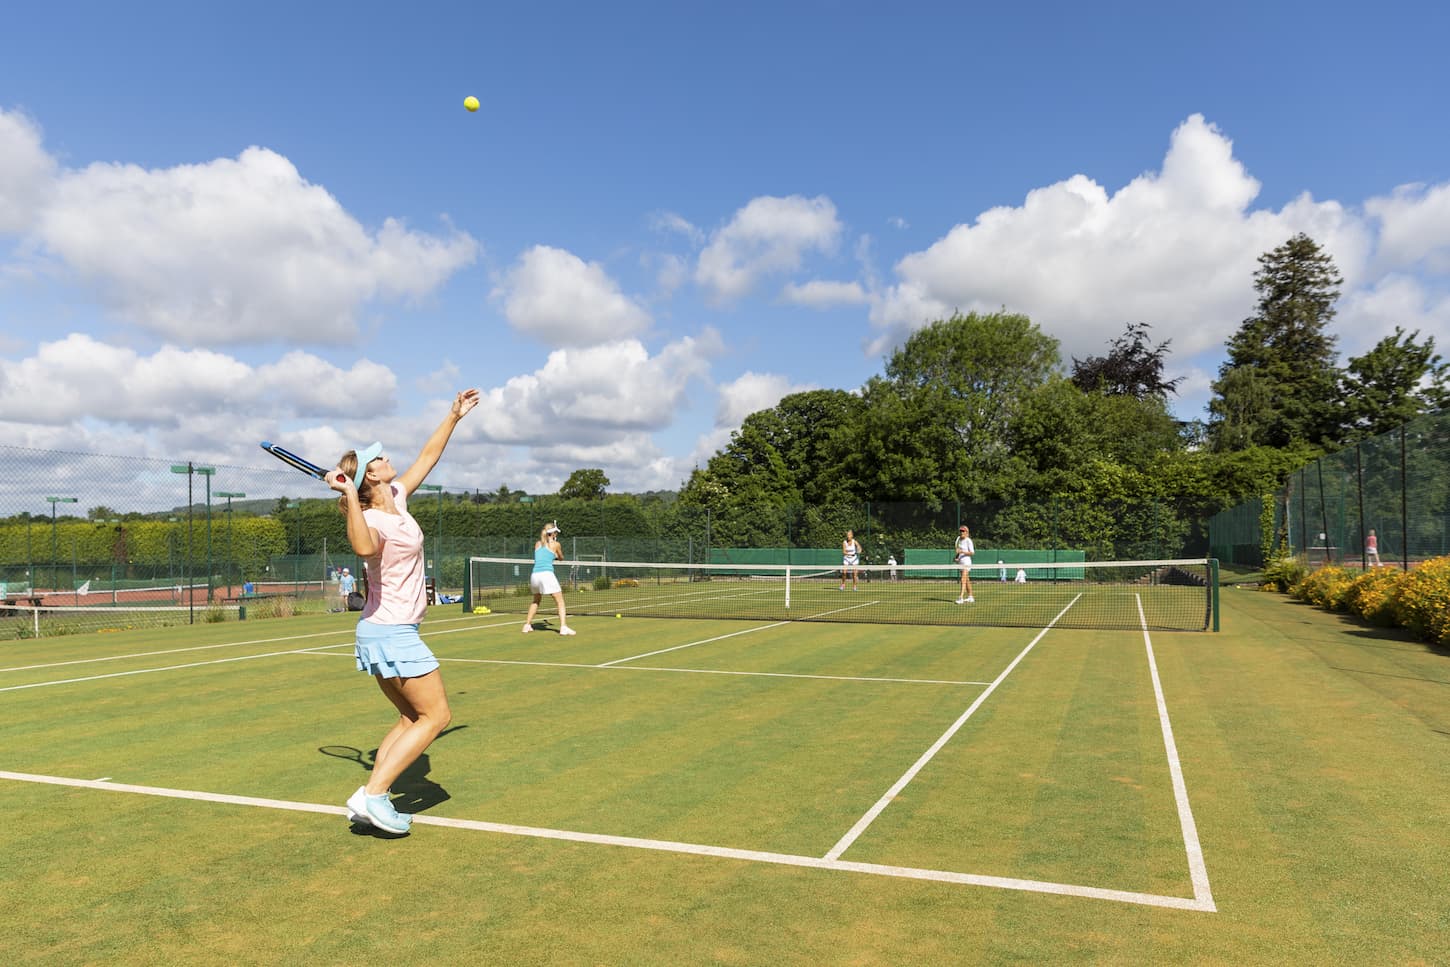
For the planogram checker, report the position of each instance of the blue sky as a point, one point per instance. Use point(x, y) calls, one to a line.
point(277, 221)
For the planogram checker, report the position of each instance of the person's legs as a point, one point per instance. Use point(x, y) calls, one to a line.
point(533, 610)
point(564, 628)
point(423, 710)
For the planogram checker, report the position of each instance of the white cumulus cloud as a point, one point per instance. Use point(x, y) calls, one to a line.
point(27, 172)
point(231, 251)
point(1176, 248)
point(561, 300)
point(769, 235)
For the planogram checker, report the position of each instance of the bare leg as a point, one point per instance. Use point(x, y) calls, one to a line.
point(533, 610)
point(423, 707)
point(563, 618)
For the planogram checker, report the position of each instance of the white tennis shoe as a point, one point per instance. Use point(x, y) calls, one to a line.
point(567, 631)
point(357, 807)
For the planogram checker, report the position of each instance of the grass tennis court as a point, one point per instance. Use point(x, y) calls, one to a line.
point(685, 791)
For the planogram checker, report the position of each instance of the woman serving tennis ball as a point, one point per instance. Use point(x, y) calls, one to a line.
point(382, 532)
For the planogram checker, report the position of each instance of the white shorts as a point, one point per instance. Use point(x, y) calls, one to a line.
point(544, 582)
point(852, 561)
point(964, 560)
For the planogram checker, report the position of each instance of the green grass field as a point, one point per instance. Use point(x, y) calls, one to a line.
point(684, 791)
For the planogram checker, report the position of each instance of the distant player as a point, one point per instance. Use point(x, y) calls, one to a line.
point(346, 585)
point(1372, 549)
point(544, 581)
point(964, 551)
point(850, 560)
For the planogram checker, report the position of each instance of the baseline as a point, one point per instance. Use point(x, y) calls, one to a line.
point(668, 846)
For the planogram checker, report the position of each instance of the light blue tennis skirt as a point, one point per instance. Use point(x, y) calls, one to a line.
point(392, 651)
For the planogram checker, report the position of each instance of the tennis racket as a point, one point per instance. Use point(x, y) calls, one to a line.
point(296, 462)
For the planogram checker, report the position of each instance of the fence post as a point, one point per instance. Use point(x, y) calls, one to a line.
point(1359, 493)
point(1404, 504)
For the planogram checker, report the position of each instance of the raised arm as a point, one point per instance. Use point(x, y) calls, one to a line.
point(428, 458)
point(364, 539)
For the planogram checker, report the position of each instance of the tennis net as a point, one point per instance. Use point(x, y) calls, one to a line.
point(1174, 595)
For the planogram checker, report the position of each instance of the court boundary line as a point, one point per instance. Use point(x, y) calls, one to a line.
point(1197, 869)
point(668, 846)
point(869, 817)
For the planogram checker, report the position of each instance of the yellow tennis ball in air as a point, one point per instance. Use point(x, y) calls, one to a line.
point(471, 103)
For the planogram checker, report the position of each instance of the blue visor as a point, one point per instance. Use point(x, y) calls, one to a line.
point(365, 457)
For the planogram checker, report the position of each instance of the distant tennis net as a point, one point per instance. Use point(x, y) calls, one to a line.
point(1174, 595)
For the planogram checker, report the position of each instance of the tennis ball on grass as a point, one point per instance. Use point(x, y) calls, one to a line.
point(618, 615)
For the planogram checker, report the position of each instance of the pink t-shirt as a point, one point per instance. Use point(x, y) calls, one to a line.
point(396, 591)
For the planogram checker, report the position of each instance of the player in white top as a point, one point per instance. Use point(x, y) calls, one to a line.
point(850, 559)
point(965, 549)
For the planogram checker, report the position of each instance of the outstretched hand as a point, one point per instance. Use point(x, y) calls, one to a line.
point(465, 401)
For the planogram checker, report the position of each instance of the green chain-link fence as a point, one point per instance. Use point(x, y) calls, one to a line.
point(1395, 485)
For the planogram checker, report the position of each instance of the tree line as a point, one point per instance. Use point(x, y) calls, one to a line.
point(978, 409)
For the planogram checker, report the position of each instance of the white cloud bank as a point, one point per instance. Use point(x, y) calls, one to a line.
point(227, 252)
point(561, 300)
point(1176, 248)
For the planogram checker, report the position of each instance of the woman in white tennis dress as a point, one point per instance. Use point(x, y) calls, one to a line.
point(850, 559)
point(965, 549)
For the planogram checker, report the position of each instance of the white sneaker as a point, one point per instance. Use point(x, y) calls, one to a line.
point(357, 807)
point(567, 631)
point(971, 600)
point(528, 628)
point(961, 600)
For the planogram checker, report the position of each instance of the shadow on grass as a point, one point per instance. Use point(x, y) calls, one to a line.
point(413, 791)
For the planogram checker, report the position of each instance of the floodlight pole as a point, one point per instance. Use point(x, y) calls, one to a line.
point(207, 472)
point(438, 535)
point(231, 560)
point(54, 544)
point(188, 469)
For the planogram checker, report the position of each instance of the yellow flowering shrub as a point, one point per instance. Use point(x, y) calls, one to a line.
point(1423, 602)
point(1325, 587)
point(1418, 600)
point(1373, 595)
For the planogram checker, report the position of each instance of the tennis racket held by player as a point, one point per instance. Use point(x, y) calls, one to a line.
point(298, 463)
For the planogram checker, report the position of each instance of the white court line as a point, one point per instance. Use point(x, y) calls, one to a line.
point(870, 817)
point(175, 651)
point(167, 668)
point(656, 668)
point(691, 644)
point(1196, 868)
point(736, 634)
point(668, 846)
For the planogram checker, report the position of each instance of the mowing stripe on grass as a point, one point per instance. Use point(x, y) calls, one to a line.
point(229, 644)
point(167, 668)
point(656, 668)
point(1198, 872)
point(855, 831)
point(667, 846)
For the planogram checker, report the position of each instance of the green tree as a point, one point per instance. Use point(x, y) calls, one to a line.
point(807, 430)
point(937, 427)
point(1393, 383)
point(585, 484)
point(1292, 356)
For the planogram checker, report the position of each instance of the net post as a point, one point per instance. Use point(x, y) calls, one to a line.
point(787, 587)
point(467, 585)
point(1213, 589)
